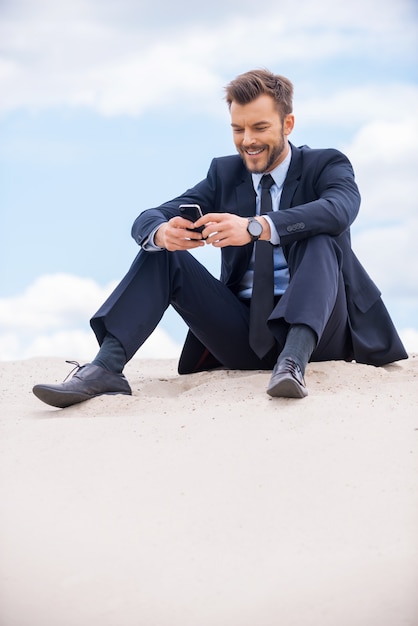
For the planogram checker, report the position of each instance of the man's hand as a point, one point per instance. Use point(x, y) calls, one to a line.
point(175, 235)
point(228, 229)
point(221, 230)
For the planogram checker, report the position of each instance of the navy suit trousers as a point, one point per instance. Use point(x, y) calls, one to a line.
point(217, 317)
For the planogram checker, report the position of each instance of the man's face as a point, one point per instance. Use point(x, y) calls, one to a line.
point(259, 135)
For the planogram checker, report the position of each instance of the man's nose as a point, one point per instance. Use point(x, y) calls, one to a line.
point(248, 138)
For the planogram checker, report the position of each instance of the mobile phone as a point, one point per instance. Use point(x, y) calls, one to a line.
point(192, 212)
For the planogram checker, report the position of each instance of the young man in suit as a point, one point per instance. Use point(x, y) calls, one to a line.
point(291, 289)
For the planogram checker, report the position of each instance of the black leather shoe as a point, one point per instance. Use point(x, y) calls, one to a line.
point(287, 381)
point(88, 382)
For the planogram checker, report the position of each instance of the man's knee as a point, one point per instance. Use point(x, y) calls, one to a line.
point(315, 250)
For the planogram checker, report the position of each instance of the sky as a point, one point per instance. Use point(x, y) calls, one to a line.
point(110, 107)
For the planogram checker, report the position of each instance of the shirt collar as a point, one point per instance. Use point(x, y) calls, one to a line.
point(278, 174)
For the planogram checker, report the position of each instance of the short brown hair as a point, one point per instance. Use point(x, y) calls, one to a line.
point(247, 87)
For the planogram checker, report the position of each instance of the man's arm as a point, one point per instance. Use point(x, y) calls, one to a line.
point(326, 200)
point(152, 219)
point(216, 195)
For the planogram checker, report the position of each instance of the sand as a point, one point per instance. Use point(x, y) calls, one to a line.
point(201, 501)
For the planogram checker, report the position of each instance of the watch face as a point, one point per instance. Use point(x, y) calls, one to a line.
point(254, 228)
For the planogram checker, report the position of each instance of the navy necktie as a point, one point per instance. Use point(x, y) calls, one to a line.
point(262, 299)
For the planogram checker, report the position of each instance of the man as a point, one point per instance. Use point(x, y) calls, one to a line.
point(291, 289)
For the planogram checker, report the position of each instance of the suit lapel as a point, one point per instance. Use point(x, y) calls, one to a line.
point(292, 179)
point(246, 198)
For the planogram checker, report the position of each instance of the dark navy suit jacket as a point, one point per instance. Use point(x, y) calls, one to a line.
point(319, 196)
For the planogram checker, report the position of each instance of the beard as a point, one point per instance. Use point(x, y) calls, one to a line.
point(269, 158)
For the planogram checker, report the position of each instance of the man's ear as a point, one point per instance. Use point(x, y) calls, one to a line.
point(288, 124)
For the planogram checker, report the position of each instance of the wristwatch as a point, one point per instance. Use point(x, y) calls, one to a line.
point(254, 228)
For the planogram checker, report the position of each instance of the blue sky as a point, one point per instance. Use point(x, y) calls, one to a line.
point(111, 107)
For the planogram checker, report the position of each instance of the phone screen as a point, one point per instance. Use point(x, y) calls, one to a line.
point(192, 212)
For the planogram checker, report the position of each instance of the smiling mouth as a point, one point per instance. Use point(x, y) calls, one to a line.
point(254, 152)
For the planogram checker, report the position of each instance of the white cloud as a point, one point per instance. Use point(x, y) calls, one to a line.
point(357, 105)
point(385, 156)
point(390, 255)
point(409, 337)
point(51, 319)
point(127, 57)
point(51, 302)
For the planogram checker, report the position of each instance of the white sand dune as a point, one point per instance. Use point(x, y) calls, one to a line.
point(201, 501)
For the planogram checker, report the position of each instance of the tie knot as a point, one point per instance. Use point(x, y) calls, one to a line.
point(266, 181)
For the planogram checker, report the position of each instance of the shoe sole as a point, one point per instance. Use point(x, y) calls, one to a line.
point(287, 387)
point(63, 399)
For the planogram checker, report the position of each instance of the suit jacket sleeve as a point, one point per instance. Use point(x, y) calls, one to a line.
point(319, 196)
point(204, 194)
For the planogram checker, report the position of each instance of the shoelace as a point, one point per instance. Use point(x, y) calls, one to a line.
point(76, 368)
point(293, 368)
